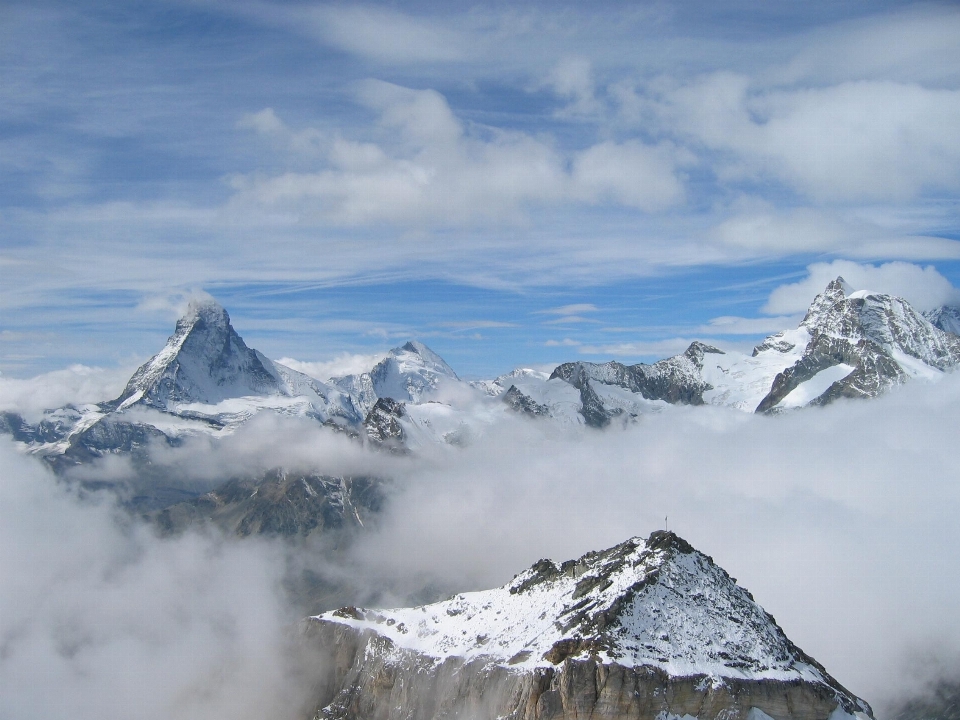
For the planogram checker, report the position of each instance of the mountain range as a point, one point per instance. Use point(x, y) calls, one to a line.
point(207, 383)
point(850, 344)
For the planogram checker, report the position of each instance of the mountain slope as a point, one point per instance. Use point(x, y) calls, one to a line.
point(279, 503)
point(946, 318)
point(206, 370)
point(652, 613)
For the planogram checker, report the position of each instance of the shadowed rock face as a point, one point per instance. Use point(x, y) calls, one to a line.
point(280, 503)
point(641, 630)
point(372, 679)
point(382, 423)
point(675, 380)
point(522, 403)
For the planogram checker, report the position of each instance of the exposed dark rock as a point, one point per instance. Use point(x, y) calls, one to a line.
point(675, 380)
point(874, 371)
point(280, 503)
point(524, 403)
point(383, 423)
point(371, 678)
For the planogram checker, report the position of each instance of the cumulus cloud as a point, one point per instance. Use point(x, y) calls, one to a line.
point(572, 79)
point(732, 325)
point(922, 286)
point(431, 169)
point(76, 385)
point(631, 174)
point(853, 141)
point(916, 44)
point(757, 228)
point(841, 521)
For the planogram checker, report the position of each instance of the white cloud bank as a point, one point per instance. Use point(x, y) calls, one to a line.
point(342, 364)
point(102, 619)
point(76, 385)
point(841, 521)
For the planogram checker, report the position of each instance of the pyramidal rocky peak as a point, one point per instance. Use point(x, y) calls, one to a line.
point(204, 361)
point(648, 627)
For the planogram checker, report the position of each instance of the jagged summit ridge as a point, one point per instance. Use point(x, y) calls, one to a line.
point(886, 320)
point(656, 602)
point(860, 343)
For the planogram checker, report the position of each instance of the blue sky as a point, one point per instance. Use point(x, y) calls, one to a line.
point(512, 184)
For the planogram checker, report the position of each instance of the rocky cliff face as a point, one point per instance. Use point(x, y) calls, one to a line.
point(646, 629)
point(676, 380)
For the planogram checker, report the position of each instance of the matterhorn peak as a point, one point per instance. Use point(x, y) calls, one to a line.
point(204, 361)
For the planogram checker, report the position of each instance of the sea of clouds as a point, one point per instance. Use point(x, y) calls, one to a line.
point(840, 520)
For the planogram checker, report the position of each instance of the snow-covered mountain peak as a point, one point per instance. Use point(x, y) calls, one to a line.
point(698, 350)
point(645, 602)
point(425, 357)
point(204, 361)
point(826, 303)
point(887, 321)
point(410, 372)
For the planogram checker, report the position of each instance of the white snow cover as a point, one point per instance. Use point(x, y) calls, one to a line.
point(808, 391)
point(664, 607)
point(206, 373)
point(501, 384)
point(742, 381)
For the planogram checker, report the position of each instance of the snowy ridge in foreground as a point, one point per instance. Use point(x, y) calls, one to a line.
point(655, 602)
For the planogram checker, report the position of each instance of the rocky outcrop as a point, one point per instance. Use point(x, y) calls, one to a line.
point(523, 403)
point(372, 679)
point(382, 423)
point(646, 629)
point(675, 380)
